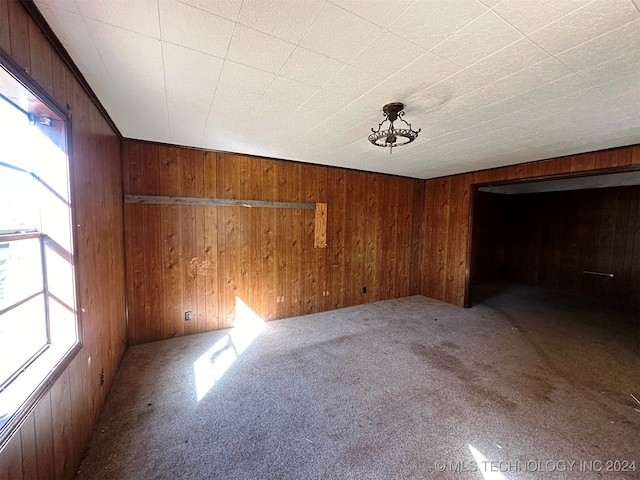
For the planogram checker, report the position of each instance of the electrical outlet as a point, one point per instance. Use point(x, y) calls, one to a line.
point(102, 377)
point(188, 316)
point(364, 289)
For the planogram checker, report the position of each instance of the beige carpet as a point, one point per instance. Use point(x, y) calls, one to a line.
point(529, 379)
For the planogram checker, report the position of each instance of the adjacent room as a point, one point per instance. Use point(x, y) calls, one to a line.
point(319, 238)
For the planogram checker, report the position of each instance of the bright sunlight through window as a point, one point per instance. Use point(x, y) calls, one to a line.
point(213, 364)
point(38, 325)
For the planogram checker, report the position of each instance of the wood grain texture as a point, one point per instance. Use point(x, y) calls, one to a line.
point(262, 256)
point(320, 226)
point(11, 458)
point(165, 200)
point(594, 231)
point(447, 214)
point(5, 37)
point(61, 423)
point(490, 229)
point(29, 449)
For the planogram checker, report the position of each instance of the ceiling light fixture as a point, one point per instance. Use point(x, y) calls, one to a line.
point(393, 137)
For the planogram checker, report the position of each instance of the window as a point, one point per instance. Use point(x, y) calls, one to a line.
point(38, 318)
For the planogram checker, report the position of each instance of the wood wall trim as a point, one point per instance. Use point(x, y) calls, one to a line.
point(320, 227)
point(220, 202)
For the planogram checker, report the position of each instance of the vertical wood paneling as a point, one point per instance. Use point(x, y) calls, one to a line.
point(489, 237)
point(294, 227)
point(633, 284)
point(357, 218)
point(449, 257)
point(256, 293)
point(61, 413)
point(389, 237)
point(11, 458)
point(335, 237)
point(261, 254)
point(44, 436)
point(447, 203)
point(29, 448)
point(59, 74)
point(61, 423)
point(229, 240)
point(264, 256)
point(267, 240)
point(283, 267)
point(5, 38)
point(311, 257)
point(151, 246)
point(417, 236)
point(594, 231)
point(374, 207)
point(172, 251)
point(19, 22)
point(189, 248)
point(209, 225)
point(42, 69)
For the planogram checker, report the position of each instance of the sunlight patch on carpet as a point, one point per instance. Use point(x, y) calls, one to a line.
point(484, 466)
point(214, 363)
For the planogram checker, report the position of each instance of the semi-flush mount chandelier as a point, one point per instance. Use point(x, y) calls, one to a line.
point(393, 137)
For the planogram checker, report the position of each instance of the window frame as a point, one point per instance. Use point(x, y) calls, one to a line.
point(53, 366)
point(17, 237)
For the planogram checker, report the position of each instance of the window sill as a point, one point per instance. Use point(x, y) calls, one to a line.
point(21, 396)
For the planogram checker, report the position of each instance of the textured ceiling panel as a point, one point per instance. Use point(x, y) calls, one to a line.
point(490, 82)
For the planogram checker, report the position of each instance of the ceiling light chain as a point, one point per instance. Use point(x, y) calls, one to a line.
point(389, 137)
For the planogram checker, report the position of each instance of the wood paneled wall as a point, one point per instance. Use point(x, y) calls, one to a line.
point(446, 251)
point(549, 239)
point(594, 230)
point(201, 258)
point(53, 438)
point(490, 237)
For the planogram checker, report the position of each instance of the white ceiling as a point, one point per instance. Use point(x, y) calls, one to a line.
point(490, 82)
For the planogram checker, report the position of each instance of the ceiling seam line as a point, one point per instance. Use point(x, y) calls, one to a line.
point(164, 72)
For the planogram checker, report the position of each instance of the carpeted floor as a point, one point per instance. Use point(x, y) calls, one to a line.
point(529, 379)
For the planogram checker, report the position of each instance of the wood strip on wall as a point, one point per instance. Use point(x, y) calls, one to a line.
point(320, 226)
point(176, 200)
